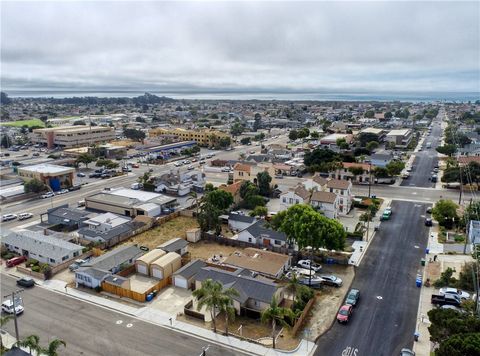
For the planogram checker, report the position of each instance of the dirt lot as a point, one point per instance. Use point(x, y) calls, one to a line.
point(329, 300)
point(206, 249)
point(160, 234)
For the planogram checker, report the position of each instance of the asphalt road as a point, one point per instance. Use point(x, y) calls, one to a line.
point(385, 319)
point(91, 330)
point(426, 159)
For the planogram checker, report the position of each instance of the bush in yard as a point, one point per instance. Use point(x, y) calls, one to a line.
point(31, 262)
point(446, 279)
point(8, 256)
point(35, 268)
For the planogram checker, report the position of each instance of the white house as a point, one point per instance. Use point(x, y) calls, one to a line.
point(297, 195)
point(315, 183)
point(343, 190)
point(238, 222)
point(326, 202)
point(106, 222)
point(259, 234)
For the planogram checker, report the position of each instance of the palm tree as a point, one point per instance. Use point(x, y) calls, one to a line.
point(3, 321)
point(276, 314)
point(293, 286)
point(242, 156)
point(196, 200)
point(212, 296)
point(53, 346)
point(227, 308)
point(32, 342)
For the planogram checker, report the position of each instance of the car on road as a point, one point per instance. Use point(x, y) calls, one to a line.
point(135, 165)
point(190, 167)
point(15, 261)
point(201, 162)
point(406, 352)
point(26, 282)
point(63, 191)
point(177, 164)
point(94, 175)
point(8, 217)
point(7, 307)
point(225, 169)
point(429, 210)
point(36, 154)
point(386, 215)
point(24, 216)
point(331, 280)
point(345, 313)
point(454, 291)
point(428, 222)
point(307, 264)
point(353, 297)
point(80, 174)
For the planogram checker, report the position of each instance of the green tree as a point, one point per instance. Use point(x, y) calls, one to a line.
point(446, 323)
point(293, 135)
point(303, 133)
point(394, 168)
point(248, 188)
point(372, 146)
point(257, 122)
point(213, 204)
point(263, 182)
point(236, 129)
point(305, 226)
point(366, 137)
point(293, 287)
point(79, 123)
point(342, 143)
point(446, 279)
point(213, 296)
point(252, 201)
point(356, 171)
point(225, 142)
point(259, 211)
point(3, 321)
point(6, 141)
point(245, 140)
point(445, 211)
point(220, 199)
point(260, 137)
point(380, 172)
point(460, 345)
point(370, 114)
point(34, 186)
point(447, 149)
point(85, 158)
point(276, 315)
point(32, 342)
point(314, 135)
point(53, 346)
point(134, 134)
point(388, 115)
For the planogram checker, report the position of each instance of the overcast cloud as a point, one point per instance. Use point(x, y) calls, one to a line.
point(400, 46)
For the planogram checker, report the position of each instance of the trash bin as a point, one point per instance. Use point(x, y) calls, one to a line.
point(427, 251)
point(422, 261)
point(418, 282)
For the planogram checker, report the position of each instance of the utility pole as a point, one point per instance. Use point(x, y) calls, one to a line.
point(14, 300)
point(369, 179)
point(461, 184)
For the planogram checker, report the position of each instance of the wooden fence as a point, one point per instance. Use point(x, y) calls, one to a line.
point(303, 316)
point(28, 271)
point(188, 310)
point(163, 219)
point(127, 293)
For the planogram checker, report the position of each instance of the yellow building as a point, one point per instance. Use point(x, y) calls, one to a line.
point(202, 137)
point(245, 171)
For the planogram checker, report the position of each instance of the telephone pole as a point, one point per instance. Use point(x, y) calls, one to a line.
point(14, 301)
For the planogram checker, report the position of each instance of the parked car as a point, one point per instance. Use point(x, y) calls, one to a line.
point(306, 264)
point(449, 299)
point(428, 222)
point(177, 164)
point(80, 174)
point(75, 265)
point(26, 282)
point(406, 352)
point(7, 307)
point(80, 203)
point(94, 175)
point(353, 297)
point(135, 165)
point(190, 167)
point(74, 187)
point(24, 216)
point(429, 210)
point(15, 261)
point(126, 169)
point(345, 313)
point(63, 191)
point(36, 154)
point(8, 217)
point(454, 291)
point(225, 169)
point(331, 280)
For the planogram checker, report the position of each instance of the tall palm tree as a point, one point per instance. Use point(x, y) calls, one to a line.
point(276, 314)
point(53, 346)
point(227, 308)
point(32, 342)
point(193, 196)
point(212, 296)
point(3, 321)
point(293, 286)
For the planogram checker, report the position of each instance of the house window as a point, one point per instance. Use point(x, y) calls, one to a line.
point(291, 201)
point(51, 260)
point(75, 254)
point(278, 242)
point(297, 201)
point(64, 258)
point(283, 199)
point(249, 239)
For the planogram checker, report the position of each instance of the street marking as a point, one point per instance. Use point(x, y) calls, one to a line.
point(414, 193)
point(379, 297)
point(350, 351)
point(118, 322)
point(129, 325)
point(416, 246)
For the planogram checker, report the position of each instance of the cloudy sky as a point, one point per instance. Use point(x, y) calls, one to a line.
point(270, 46)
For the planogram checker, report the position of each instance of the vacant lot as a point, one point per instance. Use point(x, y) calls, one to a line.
point(21, 123)
point(206, 249)
point(160, 234)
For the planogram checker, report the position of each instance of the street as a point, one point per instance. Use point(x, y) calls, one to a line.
point(384, 320)
point(91, 330)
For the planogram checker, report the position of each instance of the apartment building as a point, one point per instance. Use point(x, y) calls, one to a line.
point(245, 171)
point(401, 138)
point(202, 137)
point(72, 136)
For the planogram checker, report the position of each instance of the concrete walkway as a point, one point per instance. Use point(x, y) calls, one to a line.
point(163, 319)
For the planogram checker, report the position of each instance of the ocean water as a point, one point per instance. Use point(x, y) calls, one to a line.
point(245, 95)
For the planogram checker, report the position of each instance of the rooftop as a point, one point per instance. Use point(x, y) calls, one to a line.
point(324, 197)
point(258, 229)
point(338, 183)
point(173, 245)
point(264, 262)
point(45, 168)
point(115, 257)
point(400, 132)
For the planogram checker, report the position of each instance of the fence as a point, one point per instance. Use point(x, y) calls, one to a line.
point(163, 219)
point(301, 319)
point(188, 310)
point(127, 271)
point(139, 297)
point(28, 271)
point(65, 264)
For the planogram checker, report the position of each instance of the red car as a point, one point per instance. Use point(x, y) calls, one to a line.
point(16, 261)
point(344, 313)
point(135, 165)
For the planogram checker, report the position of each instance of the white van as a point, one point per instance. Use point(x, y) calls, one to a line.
point(7, 307)
point(80, 203)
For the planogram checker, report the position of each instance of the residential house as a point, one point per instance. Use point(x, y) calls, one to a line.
point(343, 190)
point(50, 249)
point(381, 159)
point(92, 273)
point(69, 217)
point(297, 195)
point(185, 276)
point(266, 263)
point(346, 174)
point(177, 245)
point(254, 294)
point(233, 189)
point(249, 172)
point(259, 234)
point(326, 202)
point(238, 222)
point(317, 182)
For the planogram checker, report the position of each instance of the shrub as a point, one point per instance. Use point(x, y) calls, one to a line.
point(445, 279)
point(44, 267)
point(31, 262)
point(35, 268)
point(98, 289)
point(8, 256)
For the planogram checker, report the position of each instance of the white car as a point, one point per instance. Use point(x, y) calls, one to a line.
point(24, 216)
point(454, 291)
point(190, 167)
point(8, 217)
point(48, 195)
point(225, 169)
point(306, 265)
point(63, 191)
point(7, 307)
point(177, 164)
point(331, 280)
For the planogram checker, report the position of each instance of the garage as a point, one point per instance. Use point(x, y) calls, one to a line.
point(184, 277)
point(165, 266)
point(142, 264)
point(179, 281)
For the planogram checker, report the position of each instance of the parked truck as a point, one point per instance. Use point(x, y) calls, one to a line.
point(438, 299)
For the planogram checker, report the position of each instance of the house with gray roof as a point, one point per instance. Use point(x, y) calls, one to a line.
point(238, 222)
point(176, 245)
point(259, 234)
point(45, 248)
point(185, 276)
point(254, 294)
point(70, 217)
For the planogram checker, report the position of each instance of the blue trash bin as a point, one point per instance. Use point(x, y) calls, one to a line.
point(418, 282)
point(427, 251)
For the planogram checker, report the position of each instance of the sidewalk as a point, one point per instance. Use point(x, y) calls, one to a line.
point(169, 321)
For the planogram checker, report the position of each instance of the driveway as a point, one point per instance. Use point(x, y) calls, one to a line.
point(384, 321)
point(171, 300)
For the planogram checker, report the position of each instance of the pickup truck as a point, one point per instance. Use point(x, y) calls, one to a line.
point(440, 300)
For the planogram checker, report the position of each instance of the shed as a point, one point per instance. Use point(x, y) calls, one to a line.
point(185, 276)
point(194, 235)
point(177, 245)
point(142, 264)
point(164, 267)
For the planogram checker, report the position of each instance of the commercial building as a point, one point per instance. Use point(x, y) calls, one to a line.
point(401, 138)
point(129, 202)
point(245, 171)
point(56, 177)
point(201, 137)
point(72, 136)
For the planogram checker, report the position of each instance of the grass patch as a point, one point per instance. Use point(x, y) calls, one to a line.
point(21, 123)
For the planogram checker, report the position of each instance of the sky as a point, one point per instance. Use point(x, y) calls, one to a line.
point(245, 46)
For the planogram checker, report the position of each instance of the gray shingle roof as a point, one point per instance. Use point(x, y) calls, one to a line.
point(95, 273)
point(246, 286)
point(68, 213)
point(257, 229)
point(241, 218)
point(115, 257)
point(173, 245)
point(108, 235)
point(190, 269)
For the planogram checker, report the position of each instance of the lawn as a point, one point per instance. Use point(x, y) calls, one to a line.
point(21, 123)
